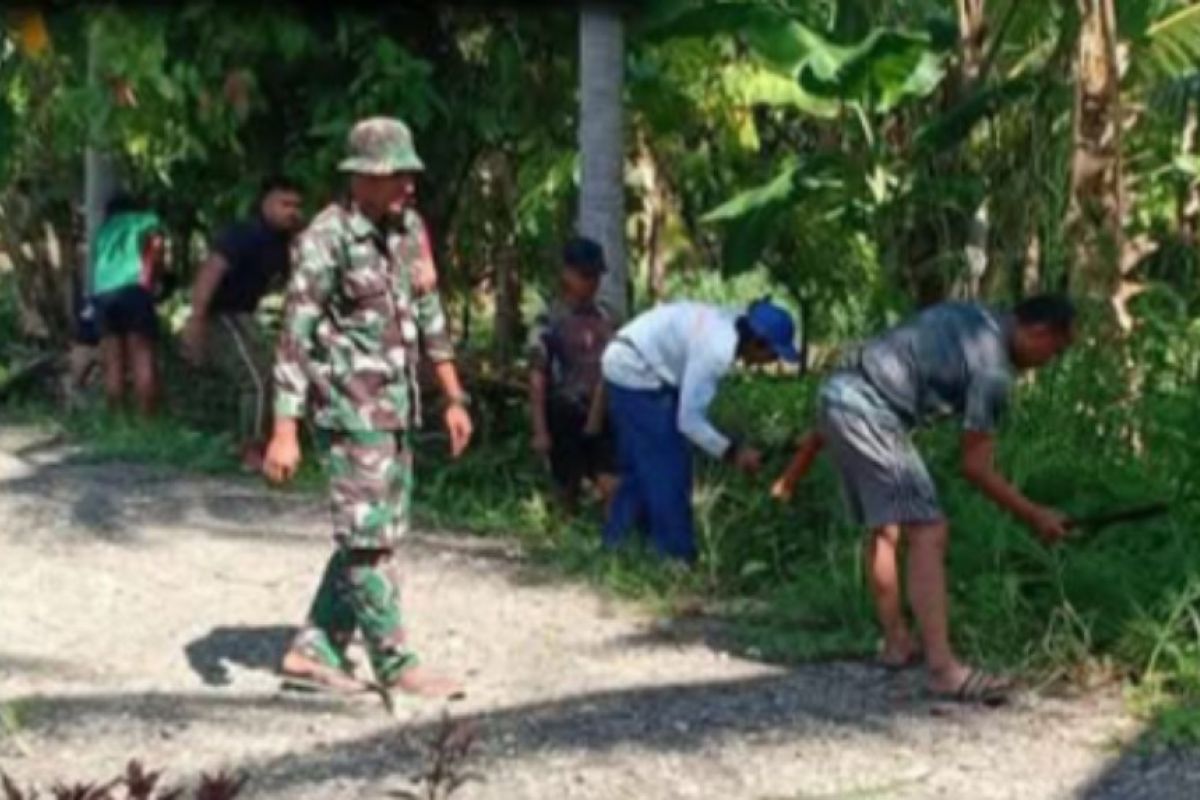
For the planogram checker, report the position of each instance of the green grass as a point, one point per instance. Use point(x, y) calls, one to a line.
point(13, 715)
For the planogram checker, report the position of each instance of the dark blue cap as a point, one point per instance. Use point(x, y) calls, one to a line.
point(773, 324)
point(585, 255)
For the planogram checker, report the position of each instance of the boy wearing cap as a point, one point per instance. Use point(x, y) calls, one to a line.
point(661, 373)
point(355, 324)
point(565, 346)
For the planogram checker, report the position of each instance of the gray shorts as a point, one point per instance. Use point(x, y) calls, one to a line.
point(883, 478)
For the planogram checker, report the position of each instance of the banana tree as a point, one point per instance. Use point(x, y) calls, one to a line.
point(1124, 57)
point(861, 91)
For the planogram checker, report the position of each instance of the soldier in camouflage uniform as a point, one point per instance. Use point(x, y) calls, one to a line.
point(361, 298)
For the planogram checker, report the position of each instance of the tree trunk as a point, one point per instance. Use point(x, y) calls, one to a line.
point(508, 302)
point(1094, 217)
point(602, 145)
point(100, 178)
point(1031, 265)
point(654, 218)
point(929, 236)
point(970, 284)
point(501, 198)
point(1188, 204)
point(972, 32)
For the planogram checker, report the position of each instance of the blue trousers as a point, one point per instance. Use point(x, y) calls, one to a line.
point(655, 468)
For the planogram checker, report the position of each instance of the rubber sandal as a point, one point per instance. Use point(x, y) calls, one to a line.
point(980, 688)
point(915, 659)
point(300, 671)
point(314, 685)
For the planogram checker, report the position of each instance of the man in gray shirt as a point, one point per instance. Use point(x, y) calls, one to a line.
point(951, 360)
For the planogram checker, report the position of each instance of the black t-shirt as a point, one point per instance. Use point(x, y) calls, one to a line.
point(256, 254)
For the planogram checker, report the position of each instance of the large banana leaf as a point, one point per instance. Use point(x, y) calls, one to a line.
point(884, 68)
point(1169, 49)
point(8, 122)
point(777, 191)
point(880, 71)
point(757, 86)
point(949, 129)
point(752, 217)
point(773, 34)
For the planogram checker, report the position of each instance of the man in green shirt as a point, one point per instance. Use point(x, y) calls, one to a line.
point(126, 269)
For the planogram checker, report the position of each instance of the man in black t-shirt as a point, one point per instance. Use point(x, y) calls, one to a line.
point(247, 260)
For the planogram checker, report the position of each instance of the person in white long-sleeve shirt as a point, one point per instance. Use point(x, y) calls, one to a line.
point(661, 373)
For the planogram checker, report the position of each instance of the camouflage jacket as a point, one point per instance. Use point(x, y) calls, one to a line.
point(353, 324)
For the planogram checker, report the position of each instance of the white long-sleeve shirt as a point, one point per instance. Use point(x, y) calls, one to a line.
point(687, 346)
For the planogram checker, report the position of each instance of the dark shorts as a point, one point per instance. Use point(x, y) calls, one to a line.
point(127, 311)
point(87, 328)
point(574, 455)
point(883, 478)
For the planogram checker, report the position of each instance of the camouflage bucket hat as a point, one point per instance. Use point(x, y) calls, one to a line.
point(381, 146)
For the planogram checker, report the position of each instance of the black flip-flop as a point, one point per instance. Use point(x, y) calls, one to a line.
point(978, 688)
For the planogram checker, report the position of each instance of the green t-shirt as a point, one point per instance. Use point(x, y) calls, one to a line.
point(119, 245)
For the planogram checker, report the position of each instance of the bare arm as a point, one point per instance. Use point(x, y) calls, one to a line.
point(195, 333)
point(978, 467)
point(207, 281)
point(537, 403)
point(458, 421)
point(447, 379)
point(806, 453)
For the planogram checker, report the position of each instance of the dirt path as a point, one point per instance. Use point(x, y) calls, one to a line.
point(141, 614)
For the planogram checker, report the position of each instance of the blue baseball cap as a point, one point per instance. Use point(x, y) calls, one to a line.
point(773, 324)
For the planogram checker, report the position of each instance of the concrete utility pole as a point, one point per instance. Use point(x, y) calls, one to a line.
point(99, 170)
point(602, 144)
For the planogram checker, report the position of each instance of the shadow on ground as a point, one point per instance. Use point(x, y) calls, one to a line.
point(664, 719)
point(668, 719)
point(110, 501)
point(673, 719)
point(1148, 769)
point(249, 648)
point(18, 663)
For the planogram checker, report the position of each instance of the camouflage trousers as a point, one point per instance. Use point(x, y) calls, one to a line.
point(370, 489)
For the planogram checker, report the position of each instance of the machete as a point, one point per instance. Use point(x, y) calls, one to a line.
point(1094, 522)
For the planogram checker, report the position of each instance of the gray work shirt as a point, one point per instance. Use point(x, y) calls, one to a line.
point(951, 359)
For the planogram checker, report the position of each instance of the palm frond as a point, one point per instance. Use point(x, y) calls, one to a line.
point(1170, 48)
